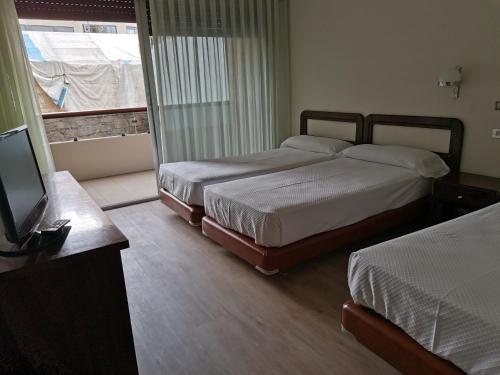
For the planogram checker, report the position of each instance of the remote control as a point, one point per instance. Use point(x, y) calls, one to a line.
point(53, 227)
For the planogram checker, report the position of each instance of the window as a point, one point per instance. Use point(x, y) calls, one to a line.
point(103, 29)
point(46, 28)
point(131, 30)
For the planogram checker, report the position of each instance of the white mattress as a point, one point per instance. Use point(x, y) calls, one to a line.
point(441, 286)
point(186, 180)
point(280, 208)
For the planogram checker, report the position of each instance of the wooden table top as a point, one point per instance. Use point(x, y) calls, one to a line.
point(474, 180)
point(91, 230)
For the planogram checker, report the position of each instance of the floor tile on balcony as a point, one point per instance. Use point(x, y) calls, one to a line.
point(114, 190)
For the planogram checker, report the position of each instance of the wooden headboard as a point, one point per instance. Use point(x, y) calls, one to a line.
point(340, 125)
point(441, 135)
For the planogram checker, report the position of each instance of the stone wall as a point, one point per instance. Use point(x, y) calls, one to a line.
point(85, 127)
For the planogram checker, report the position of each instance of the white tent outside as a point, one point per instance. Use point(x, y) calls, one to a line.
point(81, 71)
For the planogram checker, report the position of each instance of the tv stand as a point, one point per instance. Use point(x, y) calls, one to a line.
point(66, 311)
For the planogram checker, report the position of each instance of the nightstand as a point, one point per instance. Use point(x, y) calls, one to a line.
point(462, 193)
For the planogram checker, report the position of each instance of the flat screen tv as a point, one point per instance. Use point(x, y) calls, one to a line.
point(22, 193)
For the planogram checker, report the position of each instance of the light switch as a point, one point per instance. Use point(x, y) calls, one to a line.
point(497, 106)
point(495, 133)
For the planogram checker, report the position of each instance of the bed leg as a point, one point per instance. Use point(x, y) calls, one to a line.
point(193, 224)
point(266, 272)
point(346, 332)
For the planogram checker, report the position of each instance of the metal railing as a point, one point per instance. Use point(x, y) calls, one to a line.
point(77, 125)
point(96, 112)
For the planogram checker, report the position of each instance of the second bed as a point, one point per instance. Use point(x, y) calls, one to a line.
point(281, 219)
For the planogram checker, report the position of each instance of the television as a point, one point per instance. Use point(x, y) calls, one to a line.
point(23, 197)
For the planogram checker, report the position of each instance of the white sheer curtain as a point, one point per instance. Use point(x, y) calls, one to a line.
point(18, 103)
point(219, 76)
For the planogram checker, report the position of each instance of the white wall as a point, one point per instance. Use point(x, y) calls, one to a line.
point(103, 157)
point(385, 56)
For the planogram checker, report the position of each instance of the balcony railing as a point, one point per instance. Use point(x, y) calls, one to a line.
point(70, 126)
point(107, 111)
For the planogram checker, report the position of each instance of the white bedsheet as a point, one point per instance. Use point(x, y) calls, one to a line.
point(186, 180)
point(441, 286)
point(280, 208)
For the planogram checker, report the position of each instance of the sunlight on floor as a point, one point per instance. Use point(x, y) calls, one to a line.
point(114, 190)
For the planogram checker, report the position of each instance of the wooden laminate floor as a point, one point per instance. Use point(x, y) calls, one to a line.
point(197, 309)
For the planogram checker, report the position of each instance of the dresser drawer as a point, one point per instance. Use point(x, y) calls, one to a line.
point(465, 197)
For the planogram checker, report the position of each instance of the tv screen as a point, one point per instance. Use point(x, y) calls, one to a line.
point(22, 194)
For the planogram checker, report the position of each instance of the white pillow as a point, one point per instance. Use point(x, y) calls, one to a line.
point(425, 163)
point(321, 145)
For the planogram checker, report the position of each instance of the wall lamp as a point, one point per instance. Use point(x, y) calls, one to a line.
point(452, 78)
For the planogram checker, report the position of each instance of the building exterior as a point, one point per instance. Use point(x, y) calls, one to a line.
point(84, 65)
point(78, 26)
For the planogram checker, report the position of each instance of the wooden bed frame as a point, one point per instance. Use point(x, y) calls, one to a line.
point(270, 260)
point(392, 344)
point(193, 214)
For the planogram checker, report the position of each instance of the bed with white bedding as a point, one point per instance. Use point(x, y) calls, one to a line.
point(439, 285)
point(323, 136)
point(187, 180)
point(281, 208)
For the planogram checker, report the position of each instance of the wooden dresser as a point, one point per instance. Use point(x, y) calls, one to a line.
point(66, 312)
